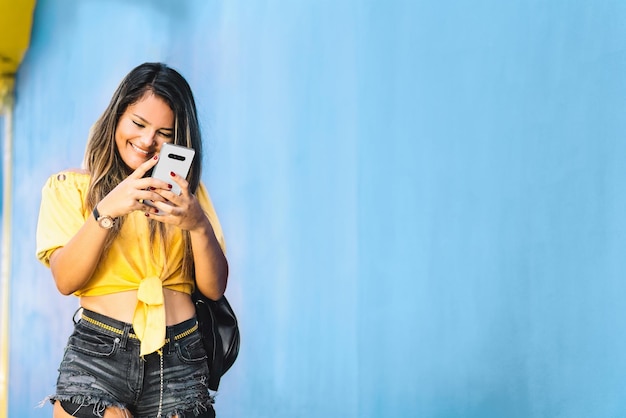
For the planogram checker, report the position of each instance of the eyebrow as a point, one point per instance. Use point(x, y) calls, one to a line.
point(148, 122)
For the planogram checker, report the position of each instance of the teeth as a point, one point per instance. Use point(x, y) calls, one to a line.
point(139, 149)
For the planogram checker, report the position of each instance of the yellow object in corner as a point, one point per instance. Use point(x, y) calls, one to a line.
point(16, 18)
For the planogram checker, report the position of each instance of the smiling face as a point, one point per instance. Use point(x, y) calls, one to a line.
point(142, 129)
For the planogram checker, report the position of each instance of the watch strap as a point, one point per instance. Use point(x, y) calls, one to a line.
point(96, 214)
point(105, 221)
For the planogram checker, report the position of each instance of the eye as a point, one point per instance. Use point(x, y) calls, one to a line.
point(139, 124)
point(165, 134)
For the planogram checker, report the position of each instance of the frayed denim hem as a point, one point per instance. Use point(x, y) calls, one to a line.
point(198, 410)
point(99, 405)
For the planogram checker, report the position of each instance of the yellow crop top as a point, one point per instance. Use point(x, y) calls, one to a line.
point(132, 262)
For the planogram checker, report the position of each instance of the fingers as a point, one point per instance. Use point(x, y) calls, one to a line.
point(142, 182)
point(171, 208)
point(145, 167)
point(134, 191)
point(149, 196)
point(165, 190)
point(183, 211)
point(156, 183)
point(181, 182)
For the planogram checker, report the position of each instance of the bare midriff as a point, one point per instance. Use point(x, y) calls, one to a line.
point(121, 306)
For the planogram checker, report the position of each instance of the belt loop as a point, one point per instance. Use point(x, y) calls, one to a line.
point(125, 335)
point(169, 334)
point(80, 308)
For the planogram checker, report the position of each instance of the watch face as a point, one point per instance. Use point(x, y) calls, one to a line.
point(106, 222)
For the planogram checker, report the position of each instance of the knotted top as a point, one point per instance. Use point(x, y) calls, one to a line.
point(149, 318)
point(133, 262)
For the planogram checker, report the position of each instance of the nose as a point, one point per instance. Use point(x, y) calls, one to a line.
point(147, 139)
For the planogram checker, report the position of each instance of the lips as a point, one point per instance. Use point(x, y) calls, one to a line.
point(139, 150)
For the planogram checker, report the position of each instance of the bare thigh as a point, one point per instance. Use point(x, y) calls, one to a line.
point(111, 412)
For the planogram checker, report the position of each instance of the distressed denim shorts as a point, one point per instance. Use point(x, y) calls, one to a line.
point(101, 367)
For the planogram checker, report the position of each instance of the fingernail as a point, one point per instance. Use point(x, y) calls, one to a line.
point(172, 173)
point(147, 214)
point(152, 188)
point(156, 156)
point(169, 186)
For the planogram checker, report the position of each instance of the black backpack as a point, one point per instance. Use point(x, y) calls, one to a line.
point(220, 334)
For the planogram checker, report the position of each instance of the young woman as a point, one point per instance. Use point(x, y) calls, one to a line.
point(135, 350)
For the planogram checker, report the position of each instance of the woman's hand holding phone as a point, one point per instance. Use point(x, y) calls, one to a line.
point(163, 196)
point(178, 206)
point(132, 192)
point(173, 160)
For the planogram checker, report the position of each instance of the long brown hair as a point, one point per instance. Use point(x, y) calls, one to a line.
point(102, 158)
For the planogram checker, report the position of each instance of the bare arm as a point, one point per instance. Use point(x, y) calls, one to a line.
point(210, 263)
point(184, 211)
point(73, 264)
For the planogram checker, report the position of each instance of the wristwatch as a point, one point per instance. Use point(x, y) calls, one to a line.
point(104, 221)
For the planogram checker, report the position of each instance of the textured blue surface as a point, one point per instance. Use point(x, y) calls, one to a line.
point(423, 201)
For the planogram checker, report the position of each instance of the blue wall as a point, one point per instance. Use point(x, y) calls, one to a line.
point(423, 201)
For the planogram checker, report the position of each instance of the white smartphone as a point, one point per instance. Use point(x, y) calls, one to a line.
point(172, 158)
